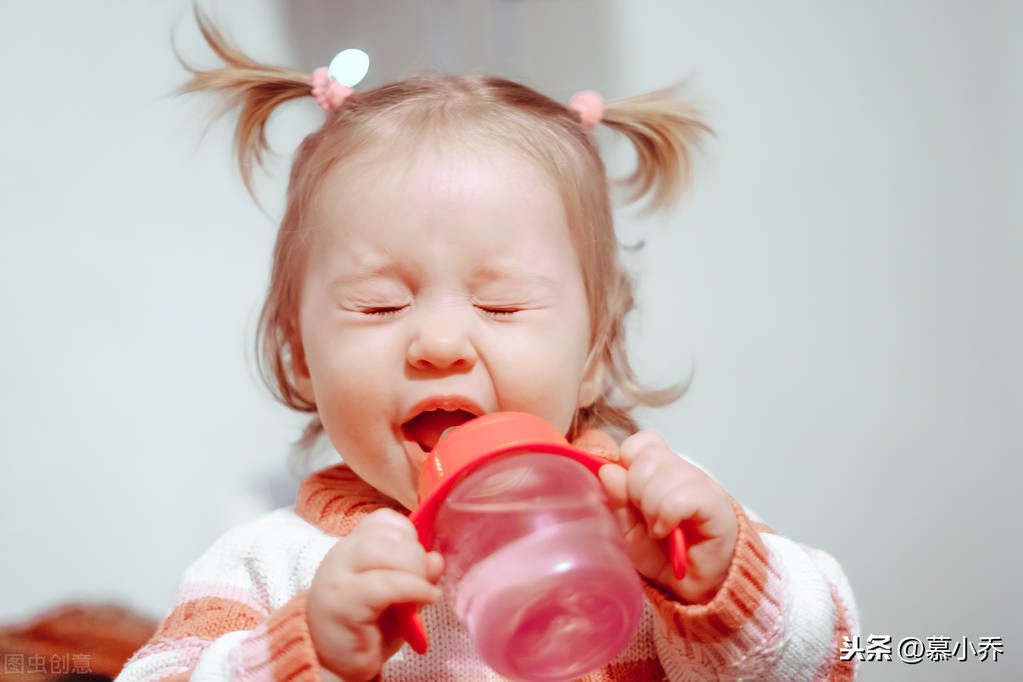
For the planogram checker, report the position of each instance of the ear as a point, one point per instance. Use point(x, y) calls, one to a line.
point(592, 386)
point(300, 373)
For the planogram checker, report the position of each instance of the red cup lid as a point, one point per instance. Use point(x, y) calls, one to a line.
point(476, 441)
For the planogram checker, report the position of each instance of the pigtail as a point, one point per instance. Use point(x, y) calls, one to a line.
point(665, 132)
point(256, 88)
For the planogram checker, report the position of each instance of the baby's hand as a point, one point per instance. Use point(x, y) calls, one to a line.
point(656, 486)
point(381, 563)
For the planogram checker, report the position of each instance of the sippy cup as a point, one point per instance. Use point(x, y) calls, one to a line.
point(535, 562)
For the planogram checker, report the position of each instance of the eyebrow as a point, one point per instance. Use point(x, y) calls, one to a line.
point(490, 273)
point(482, 274)
point(361, 275)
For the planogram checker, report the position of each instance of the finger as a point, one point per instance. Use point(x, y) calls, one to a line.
point(434, 566)
point(382, 589)
point(386, 553)
point(615, 481)
point(646, 554)
point(639, 442)
point(683, 502)
point(389, 521)
point(705, 509)
point(641, 474)
point(597, 443)
point(660, 492)
point(678, 505)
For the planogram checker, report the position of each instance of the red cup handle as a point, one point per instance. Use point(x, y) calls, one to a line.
point(410, 627)
point(677, 552)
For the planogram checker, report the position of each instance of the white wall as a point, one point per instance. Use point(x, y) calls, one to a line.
point(132, 266)
point(844, 280)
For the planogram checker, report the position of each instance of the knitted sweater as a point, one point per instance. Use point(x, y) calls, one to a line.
point(781, 613)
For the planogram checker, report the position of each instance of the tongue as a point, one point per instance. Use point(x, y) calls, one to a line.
point(427, 428)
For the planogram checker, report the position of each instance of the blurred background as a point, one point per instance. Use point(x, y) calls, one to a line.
point(844, 281)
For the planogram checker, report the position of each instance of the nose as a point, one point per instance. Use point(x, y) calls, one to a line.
point(441, 341)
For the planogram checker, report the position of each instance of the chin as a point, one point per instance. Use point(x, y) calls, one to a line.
point(406, 496)
point(407, 500)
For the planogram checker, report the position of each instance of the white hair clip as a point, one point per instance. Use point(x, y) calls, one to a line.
point(332, 85)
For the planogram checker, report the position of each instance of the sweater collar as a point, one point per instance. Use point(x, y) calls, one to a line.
point(335, 500)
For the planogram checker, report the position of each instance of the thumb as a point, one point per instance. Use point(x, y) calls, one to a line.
point(615, 481)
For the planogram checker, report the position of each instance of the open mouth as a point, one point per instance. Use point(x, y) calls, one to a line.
point(427, 427)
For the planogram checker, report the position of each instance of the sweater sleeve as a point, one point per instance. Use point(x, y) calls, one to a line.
point(782, 613)
point(241, 610)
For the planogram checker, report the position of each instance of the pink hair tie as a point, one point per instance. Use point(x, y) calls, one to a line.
point(333, 85)
point(590, 107)
point(329, 94)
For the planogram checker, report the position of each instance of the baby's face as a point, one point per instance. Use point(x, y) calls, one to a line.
point(439, 289)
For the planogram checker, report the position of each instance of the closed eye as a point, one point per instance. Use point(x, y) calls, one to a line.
point(383, 311)
point(498, 312)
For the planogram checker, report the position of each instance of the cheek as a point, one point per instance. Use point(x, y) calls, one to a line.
point(348, 376)
point(352, 381)
point(335, 353)
point(542, 377)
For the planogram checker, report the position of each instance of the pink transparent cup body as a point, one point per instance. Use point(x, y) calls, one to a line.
point(537, 568)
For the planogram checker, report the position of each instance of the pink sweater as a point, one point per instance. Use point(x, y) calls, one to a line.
point(781, 613)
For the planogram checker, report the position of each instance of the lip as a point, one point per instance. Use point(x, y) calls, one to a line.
point(449, 403)
point(416, 455)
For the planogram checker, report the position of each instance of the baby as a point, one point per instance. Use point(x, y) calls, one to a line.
point(448, 251)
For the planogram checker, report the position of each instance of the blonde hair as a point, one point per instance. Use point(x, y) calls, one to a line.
point(484, 110)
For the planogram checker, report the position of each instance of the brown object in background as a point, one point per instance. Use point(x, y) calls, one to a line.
point(107, 634)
